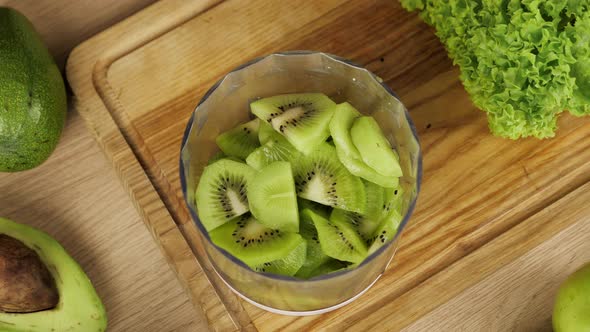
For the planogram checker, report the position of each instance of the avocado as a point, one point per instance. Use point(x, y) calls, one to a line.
point(33, 102)
point(78, 307)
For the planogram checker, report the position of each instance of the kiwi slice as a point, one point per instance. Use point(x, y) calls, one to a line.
point(302, 118)
point(266, 133)
point(315, 256)
point(392, 201)
point(240, 141)
point(272, 197)
point(320, 177)
point(385, 231)
point(221, 193)
point(338, 239)
point(373, 147)
point(391, 218)
point(328, 267)
point(318, 208)
point(359, 168)
point(364, 224)
point(288, 265)
point(219, 155)
point(253, 243)
point(277, 148)
point(344, 116)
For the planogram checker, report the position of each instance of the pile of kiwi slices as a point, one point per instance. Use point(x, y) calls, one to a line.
point(307, 188)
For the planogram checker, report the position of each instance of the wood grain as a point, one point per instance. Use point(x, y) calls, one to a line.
point(476, 187)
point(64, 24)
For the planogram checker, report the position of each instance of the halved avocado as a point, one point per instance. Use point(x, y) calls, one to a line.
point(78, 309)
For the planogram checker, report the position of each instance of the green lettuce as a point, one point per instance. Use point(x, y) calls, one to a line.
point(522, 61)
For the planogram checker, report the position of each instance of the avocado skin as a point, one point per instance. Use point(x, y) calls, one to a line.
point(33, 103)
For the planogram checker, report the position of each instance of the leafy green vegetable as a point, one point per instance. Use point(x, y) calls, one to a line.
point(522, 61)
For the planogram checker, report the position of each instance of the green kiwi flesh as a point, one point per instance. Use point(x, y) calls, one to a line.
point(266, 132)
point(392, 215)
point(315, 256)
point(385, 232)
point(364, 224)
point(320, 177)
point(304, 128)
point(374, 148)
point(288, 265)
point(240, 141)
point(306, 189)
point(302, 118)
point(217, 156)
point(272, 197)
point(338, 239)
point(253, 243)
point(340, 125)
point(328, 267)
point(276, 148)
point(221, 193)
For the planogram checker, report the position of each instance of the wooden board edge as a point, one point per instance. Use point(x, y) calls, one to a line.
point(86, 65)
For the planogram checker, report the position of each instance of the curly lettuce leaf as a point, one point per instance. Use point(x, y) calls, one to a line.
point(522, 61)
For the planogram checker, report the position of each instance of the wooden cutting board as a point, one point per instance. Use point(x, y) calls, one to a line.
point(492, 212)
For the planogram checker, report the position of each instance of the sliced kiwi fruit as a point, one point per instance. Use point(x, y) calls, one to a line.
point(364, 224)
point(276, 148)
point(338, 239)
point(344, 116)
point(315, 256)
point(268, 108)
point(320, 177)
point(328, 267)
point(272, 197)
point(374, 148)
point(302, 118)
point(392, 201)
point(240, 141)
point(221, 193)
point(219, 155)
point(288, 265)
point(391, 218)
point(253, 243)
point(385, 232)
point(318, 208)
point(266, 132)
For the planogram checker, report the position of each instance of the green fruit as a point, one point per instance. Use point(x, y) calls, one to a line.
point(302, 118)
point(255, 244)
point(572, 306)
point(32, 96)
point(340, 125)
point(240, 141)
point(79, 308)
point(374, 148)
point(221, 193)
point(272, 197)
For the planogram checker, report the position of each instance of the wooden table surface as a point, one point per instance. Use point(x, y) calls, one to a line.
point(76, 197)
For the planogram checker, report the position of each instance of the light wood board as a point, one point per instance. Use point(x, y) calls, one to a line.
point(139, 81)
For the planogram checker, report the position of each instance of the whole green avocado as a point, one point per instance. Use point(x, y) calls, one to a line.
point(33, 102)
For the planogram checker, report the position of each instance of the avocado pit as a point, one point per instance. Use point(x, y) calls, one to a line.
point(26, 285)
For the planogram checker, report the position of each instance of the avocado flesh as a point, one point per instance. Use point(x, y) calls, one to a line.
point(79, 307)
point(33, 102)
